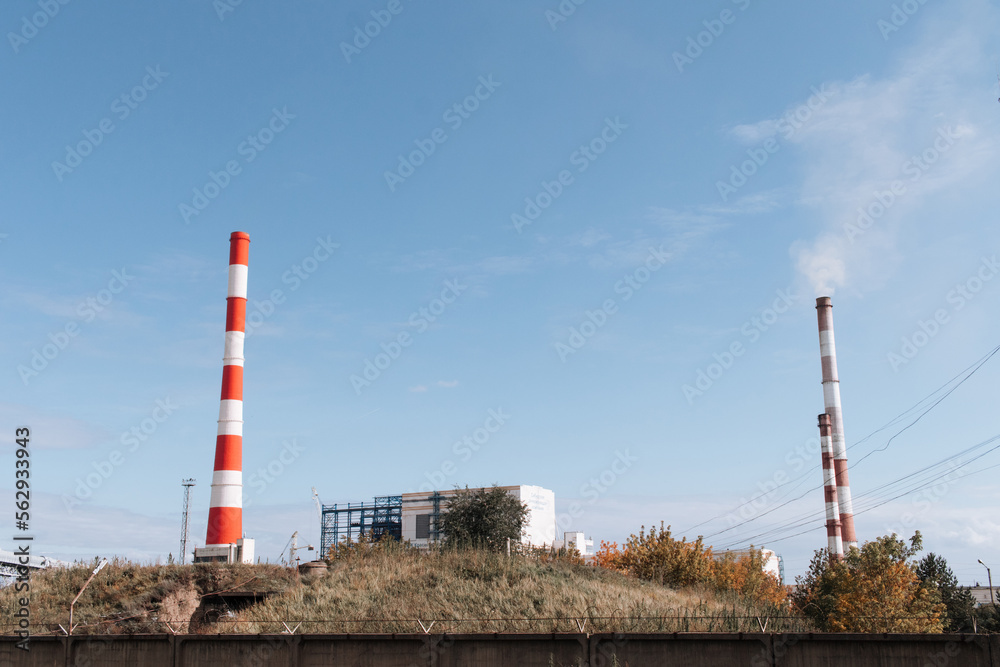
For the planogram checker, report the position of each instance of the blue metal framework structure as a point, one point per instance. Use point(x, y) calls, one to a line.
point(350, 521)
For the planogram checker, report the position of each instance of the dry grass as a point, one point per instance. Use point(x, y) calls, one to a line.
point(126, 597)
point(386, 590)
point(479, 591)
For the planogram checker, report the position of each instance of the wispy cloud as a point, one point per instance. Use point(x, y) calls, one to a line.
point(54, 431)
point(443, 384)
point(877, 132)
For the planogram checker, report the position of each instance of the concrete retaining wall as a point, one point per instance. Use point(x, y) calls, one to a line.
point(487, 650)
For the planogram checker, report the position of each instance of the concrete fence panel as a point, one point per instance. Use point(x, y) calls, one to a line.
point(889, 650)
point(487, 650)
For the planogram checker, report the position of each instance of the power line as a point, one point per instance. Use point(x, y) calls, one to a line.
point(933, 405)
point(809, 530)
point(877, 501)
point(802, 520)
point(968, 372)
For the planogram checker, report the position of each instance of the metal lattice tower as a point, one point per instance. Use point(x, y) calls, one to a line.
point(384, 516)
point(185, 518)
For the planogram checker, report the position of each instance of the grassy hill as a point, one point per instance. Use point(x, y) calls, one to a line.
point(382, 590)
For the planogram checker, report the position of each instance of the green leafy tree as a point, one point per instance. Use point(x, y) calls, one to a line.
point(960, 603)
point(873, 589)
point(483, 518)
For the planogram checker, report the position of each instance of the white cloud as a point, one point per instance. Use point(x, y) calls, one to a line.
point(54, 431)
point(92, 529)
point(924, 127)
point(755, 133)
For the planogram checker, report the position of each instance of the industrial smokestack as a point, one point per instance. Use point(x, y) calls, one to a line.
point(835, 543)
point(225, 514)
point(831, 400)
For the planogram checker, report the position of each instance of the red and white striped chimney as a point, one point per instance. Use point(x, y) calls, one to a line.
point(225, 513)
point(835, 543)
point(831, 400)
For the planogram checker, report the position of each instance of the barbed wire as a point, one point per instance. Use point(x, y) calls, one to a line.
point(574, 624)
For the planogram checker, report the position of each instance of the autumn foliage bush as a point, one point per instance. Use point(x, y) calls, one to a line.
point(872, 589)
point(657, 556)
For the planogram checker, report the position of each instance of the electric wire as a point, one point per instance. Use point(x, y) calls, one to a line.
point(809, 530)
point(878, 500)
point(968, 372)
point(862, 507)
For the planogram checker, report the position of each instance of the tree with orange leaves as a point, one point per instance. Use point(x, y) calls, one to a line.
point(609, 556)
point(873, 589)
point(658, 556)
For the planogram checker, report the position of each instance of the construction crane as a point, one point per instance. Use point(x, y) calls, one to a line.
point(319, 505)
point(185, 518)
point(293, 546)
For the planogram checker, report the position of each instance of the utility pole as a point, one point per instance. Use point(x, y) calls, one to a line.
point(185, 518)
point(990, 579)
point(71, 604)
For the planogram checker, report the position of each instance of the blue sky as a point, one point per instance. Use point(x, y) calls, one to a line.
point(609, 209)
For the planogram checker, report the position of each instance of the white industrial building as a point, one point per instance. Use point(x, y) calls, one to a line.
point(984, 595)
point(421, 511)
point(576, 540)
point(240, 551)
point(415, 518)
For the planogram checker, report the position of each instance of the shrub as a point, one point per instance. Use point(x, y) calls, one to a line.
point(657, 556)
point(873, 589)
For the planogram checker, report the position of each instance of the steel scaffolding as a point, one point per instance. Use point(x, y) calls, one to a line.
point(350, 521)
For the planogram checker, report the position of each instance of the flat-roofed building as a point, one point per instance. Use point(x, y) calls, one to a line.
point(422, 513)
